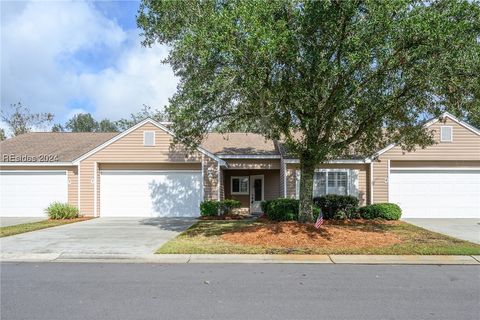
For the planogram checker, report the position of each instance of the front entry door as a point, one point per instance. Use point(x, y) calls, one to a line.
point(256, 193)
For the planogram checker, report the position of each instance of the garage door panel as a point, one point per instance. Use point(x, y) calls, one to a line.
point(147, 194)
point(27, 194)
point(436, 193)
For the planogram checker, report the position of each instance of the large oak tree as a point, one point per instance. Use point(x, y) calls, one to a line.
point(325, 77)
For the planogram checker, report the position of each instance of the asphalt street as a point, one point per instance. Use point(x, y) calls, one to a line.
point(237, 291)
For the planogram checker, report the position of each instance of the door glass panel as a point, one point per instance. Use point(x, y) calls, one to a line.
point(257, 189)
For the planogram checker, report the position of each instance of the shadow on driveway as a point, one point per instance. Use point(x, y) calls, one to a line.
point(170, 224)
point(465, 229)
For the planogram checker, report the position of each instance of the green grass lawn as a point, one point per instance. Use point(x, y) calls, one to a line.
point(27, 227)
point(206, 237)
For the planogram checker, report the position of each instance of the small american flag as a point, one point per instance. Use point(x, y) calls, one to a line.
point(319, 220)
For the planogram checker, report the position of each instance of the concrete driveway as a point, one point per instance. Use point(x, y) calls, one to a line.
point(101, 236)
point(11, 221)
point(465, 229)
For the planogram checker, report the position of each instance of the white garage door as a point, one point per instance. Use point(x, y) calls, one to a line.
point(150, 193)
point(28, 193)
point(436, 193)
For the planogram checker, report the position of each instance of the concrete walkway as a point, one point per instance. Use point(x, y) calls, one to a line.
point(243, 258)
point(12, 221)
point(465, 229)
point(101, 236)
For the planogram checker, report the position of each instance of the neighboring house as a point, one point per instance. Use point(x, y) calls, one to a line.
point(139, 173)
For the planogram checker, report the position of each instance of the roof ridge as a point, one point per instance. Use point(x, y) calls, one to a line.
point(63, 132)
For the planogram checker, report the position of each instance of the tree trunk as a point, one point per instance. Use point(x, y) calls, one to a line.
point(307, 171)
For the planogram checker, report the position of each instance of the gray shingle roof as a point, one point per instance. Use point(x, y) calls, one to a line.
point(237, 143)
point(68, 146)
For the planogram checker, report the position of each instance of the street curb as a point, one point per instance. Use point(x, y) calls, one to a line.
point(243, 258)
point(258, 258)
point(404, 259)
point(31, 257)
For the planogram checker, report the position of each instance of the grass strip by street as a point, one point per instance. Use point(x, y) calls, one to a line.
point(33, 226)
point(375, 237)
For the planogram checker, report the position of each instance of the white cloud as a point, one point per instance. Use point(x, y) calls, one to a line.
point(138, 78)
point(38, 67)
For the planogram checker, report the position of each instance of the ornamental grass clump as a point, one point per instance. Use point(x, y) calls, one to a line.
point(59, 210)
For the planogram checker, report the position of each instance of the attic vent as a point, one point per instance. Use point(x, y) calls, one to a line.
point(149, 138)
point(446, 134)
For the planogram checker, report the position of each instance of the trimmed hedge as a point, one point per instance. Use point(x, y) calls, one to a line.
point(59, 210)
point(387, 211)
point(337, 206)
point(211, 208)
point(282, 209)
point(227, 205)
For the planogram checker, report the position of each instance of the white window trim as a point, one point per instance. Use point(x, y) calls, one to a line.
point(297, 185)
point(441, 134)
point(239, 193)
point(335, 170)
point(154, 138)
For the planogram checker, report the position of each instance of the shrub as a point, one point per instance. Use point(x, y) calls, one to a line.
point(264, 205)
point(282, 209)
point(209, 208)
point(387, 211)
point(336, 206)
point(227, 205)
point(58, 210)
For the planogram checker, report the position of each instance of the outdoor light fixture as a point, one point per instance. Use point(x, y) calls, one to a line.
point(211, 172)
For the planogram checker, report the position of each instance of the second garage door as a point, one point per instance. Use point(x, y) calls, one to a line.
point(29, 193)
point(436, 193)
point(150, 193)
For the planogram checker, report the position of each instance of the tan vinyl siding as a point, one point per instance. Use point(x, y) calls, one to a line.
point(210, 179)
point(71, 173)
point(291, 174)
point(221, 185)
point(253, 163)
point(150, 166)
point(282, 178)
point(434, 164)
point(130, 149)
point(380, 181)
point(363, 178)
point(463, 150)
point(271, 184)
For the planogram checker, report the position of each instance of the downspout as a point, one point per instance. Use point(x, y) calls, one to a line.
point(371, 183)
point(78, 187)
point(218, 181)
point(95, 214)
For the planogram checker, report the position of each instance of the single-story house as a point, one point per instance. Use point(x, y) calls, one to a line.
point(139, 173)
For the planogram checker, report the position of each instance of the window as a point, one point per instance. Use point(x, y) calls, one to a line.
point(319, 184)
point(330, 182)
point(337, 183)
point(239, 185)
point(446, 134)
point(148, 138)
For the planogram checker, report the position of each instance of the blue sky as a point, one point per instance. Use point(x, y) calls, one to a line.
point(68, 57)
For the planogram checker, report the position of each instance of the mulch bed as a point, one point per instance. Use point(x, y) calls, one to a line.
point(332, 234)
